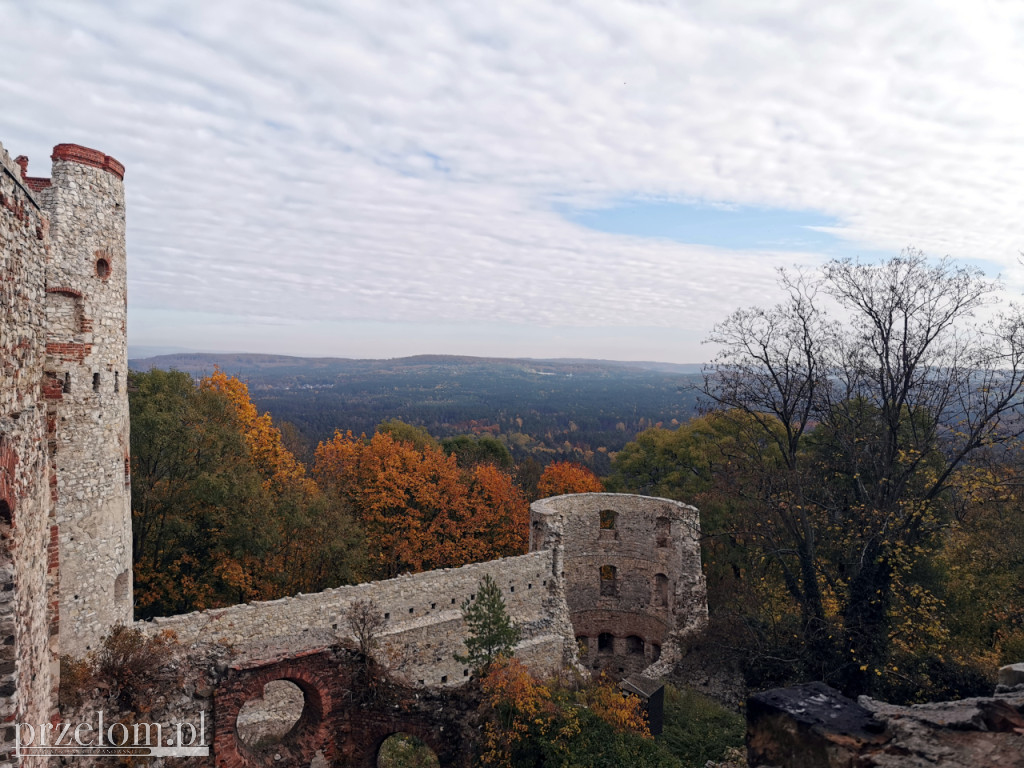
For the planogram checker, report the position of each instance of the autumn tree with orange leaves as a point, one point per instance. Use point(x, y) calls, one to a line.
point(312, 534)
point(419, 510)
point(531, 722)
point(222, 512)
point(567, 477)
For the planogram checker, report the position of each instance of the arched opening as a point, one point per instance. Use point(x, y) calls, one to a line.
point(634, 644)
point(265, 721)
point(605, 642)
point(583, 643)
point(403, 750)
point(661, 590)
point(608, 519)
point(663, 531)
point(102, 268)
point(609, 581)
point(121, 587)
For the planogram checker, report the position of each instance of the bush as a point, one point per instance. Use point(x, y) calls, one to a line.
point(401, 750)
point(530, 723)
point(77, 678)
point(128, 658)
point(697, 729)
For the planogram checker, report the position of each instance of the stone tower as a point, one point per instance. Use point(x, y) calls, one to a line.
point(86, 354)
point(632, 572)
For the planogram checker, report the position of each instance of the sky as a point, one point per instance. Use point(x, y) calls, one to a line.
point(581, 178)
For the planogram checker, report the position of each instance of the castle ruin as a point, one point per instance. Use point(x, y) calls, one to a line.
point(618, 574)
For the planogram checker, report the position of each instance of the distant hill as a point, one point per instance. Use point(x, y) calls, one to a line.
point(583, 410)
point(258, 368)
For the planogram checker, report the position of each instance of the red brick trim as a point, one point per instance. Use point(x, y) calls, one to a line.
point(69, 350)
point(75, 153)
point(53, 551)
point(53, 389)
point(37, 183)
point(64, 289)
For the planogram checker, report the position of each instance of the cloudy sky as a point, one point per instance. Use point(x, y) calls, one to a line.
point(588, 178)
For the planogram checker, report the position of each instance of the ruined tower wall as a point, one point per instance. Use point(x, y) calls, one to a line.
point(27, 559)
point(632, 574)
point(424, 619)
point(87, 352)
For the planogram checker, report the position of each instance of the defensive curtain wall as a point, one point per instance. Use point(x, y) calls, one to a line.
point(423, 626)
point(27, 517)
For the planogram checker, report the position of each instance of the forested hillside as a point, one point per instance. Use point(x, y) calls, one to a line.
point(548, 410)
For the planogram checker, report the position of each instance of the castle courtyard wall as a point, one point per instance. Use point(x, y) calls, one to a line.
point(424, 627)
point(27, 528)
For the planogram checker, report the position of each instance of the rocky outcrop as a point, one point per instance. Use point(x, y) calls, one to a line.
point(814, 726)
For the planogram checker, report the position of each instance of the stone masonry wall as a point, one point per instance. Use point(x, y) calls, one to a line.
point(27, 679)
point(632, 575)
point(424, 619)
point(87, 352)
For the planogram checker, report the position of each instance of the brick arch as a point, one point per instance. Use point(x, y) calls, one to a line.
point(372, 735)
point(312, 732)
point(342, 721)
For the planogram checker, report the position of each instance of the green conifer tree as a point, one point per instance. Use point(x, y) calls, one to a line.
point(491, 631)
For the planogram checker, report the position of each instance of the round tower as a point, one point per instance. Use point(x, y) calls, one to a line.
point(632, 576)
point(87, 356)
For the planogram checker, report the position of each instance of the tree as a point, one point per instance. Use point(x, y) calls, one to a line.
point(529, 722)
point(221, 510)
point(491, 631)
point(195, 493)
point(365, 621)
point(419, 437)
point(567, 477)
point(470, 450)
point(874, 414)
point(419, 509)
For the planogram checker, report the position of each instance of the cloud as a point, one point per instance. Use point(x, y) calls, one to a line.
point(397, 163)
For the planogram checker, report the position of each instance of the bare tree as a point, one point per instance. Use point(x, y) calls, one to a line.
point(366, 622)
point(875, 406)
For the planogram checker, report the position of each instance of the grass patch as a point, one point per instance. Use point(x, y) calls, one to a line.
point(698, 729)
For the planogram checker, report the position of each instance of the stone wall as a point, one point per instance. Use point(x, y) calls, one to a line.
point(424, 626)
point(27, 580)
point(64, 507)
point(632, 575)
